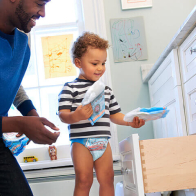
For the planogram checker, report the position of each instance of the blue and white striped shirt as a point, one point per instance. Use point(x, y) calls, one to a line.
point(71, 97)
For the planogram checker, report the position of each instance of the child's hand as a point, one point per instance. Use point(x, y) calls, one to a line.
point(136, 123)
point(84, 112)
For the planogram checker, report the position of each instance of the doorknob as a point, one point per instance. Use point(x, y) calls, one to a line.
point(192, 50)
point(125, 171)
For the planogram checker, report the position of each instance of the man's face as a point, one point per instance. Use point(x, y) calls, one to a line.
point(28, 11)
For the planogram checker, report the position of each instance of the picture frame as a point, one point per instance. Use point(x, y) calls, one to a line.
point(135, 4)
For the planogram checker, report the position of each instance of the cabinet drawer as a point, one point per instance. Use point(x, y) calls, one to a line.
point(188, 56)
point(190, 102)
point(160, 164)
point(169, 163)
point(165, 78)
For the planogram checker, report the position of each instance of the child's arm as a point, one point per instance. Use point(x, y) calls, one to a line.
point(118, 119)
point(81, 113)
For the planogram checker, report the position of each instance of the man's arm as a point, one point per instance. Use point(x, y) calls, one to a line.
point(31, 125)
point(24, 104)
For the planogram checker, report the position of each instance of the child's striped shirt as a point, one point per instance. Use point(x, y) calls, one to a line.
point(71, 97)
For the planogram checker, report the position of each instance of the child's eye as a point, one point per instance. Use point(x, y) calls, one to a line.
point(103, 63)
point(94, 63)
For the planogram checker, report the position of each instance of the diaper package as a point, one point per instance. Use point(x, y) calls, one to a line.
point(147, 114)
point(95, 96)
point(15, 144)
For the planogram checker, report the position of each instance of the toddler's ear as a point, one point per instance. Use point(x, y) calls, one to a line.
point(77, 62)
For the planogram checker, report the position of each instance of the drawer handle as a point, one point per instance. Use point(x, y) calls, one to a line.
point(192, 50)
point(125, 171)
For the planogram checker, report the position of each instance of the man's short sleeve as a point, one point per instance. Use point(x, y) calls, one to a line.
point(65, 98)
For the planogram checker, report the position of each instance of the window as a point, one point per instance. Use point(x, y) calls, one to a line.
point(68, 19)
point(50, 41)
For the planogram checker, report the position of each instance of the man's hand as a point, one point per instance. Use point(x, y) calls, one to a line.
point(30, 113)
point(136, 123)
point(33, 127)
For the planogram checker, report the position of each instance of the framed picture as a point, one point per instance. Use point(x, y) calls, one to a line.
point(134, 4)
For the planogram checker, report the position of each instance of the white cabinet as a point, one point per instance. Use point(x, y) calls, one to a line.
point(190, 103)
point(173, 85)
point(187, 53)
point(165, 91)
point(174, 123)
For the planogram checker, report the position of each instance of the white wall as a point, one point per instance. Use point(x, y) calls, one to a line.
point(161, 23)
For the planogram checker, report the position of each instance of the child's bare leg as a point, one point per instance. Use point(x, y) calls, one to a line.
point(83, 165)
point(105, 173)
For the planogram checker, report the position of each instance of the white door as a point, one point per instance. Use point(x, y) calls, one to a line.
point(173, 125)
point(187, 53)
point(165, 91)
point(190, 102)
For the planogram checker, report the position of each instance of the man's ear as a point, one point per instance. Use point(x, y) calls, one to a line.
point(77, 62)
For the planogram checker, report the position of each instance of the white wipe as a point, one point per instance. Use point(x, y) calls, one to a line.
point(130, 115)
point(94, 91)
point(153, 114)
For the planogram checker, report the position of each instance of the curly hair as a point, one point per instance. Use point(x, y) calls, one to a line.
point(87, 39)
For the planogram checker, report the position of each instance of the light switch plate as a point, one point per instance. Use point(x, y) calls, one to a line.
point(145, 68)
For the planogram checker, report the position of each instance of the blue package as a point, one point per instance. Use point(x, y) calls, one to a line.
point(98, 106)
point(147, 114)
point(156, 110)
point(15, 144)
point(152, 109)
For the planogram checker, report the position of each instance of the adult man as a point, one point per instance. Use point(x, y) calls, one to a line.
point(14, 58)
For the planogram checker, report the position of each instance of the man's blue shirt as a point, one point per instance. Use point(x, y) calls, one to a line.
point(14, 59)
